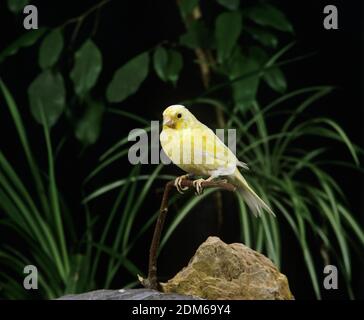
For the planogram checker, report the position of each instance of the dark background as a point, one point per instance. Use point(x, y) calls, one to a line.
point(129, 27)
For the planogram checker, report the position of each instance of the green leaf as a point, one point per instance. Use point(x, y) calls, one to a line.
point(87, 67)
point(23, 137)
point(244, 222)
point(160, 62)
point(47, 93)
point(230, 4)
point(167, 64)
point(355, 226)
point(275, 79)
point(50, 49)
point(227, 31)
point(128, 78)
point(89, 126)
point(186, 6)
point(244, 90)
point(26, 40)
point(54, 196)
point(264, 37)
point(175, 64)
point(130, 115)
point(342, 135)
point(197, 36)
point(267, 15)
point(17, 6)
point(137, 203)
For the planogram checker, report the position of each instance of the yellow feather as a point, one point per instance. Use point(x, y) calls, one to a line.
point(196, 149)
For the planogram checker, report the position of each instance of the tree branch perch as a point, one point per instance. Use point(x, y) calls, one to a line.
point(151, 281)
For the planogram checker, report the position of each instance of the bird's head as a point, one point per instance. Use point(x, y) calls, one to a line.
point(178, 117)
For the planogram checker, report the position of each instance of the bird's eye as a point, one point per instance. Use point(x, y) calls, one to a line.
point(179, 115)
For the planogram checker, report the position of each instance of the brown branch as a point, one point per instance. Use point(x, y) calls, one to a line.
point(204, 67)
point(206, 60)
point(151, 281)
point(206, 63)
point(81, 18)
point(85, 14)
point(201, 54)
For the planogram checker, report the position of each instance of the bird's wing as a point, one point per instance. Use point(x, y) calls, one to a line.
point(215, 151)
point(222, 152)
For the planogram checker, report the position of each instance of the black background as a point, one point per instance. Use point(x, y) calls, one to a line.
point(129, 27)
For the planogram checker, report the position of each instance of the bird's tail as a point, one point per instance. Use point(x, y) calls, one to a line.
point(254, 202)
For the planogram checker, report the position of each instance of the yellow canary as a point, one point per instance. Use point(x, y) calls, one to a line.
point(196, 149)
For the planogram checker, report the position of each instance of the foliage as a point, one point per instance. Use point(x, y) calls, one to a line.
point(232, 71)
point(128, 78)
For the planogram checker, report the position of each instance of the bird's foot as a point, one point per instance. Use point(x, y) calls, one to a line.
point(198, 186)
point(178, 183)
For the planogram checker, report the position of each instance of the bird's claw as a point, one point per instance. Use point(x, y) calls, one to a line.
point(178, 184)
point(198, 186)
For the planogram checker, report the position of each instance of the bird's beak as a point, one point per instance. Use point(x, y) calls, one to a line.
point(167, 121)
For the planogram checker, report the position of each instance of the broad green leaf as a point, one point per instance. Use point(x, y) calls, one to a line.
point(128, 78)
point(160, 62)
point(17, 6)
point(87, 67)
point(265, 37)
point(26, 40)
point(197, 36)
point(227, 31)
point(47, 92)
point(186, 6)
point(89, 126)
point(244, 90)
point(267, 15)
point(275, 79)
point(50, 49)
point(230, 4)
point(167, 64)
point(175, 64)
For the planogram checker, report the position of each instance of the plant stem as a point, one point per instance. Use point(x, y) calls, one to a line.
point(86, 13)
point(79, 20)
